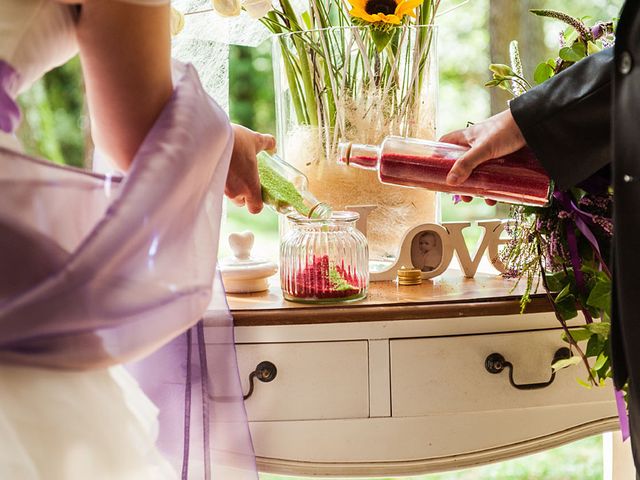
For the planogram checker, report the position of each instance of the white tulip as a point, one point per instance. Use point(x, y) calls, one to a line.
point(257, 8)
point(177, 21)
point(227, 8)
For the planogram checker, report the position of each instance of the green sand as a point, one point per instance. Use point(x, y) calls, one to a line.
point(338, 282)
point(279, 192)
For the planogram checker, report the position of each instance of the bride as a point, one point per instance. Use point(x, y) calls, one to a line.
point(98, 271)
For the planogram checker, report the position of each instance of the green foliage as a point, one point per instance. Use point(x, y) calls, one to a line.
point(577, 42)
point(566, 306)
point(578, 334)
point(507, 79)
point(381, 37)
point(566, 362)
point(502, 70)
point(544, 71)
point(575, 53)
point(557, 280)
point(600, 296)
point(53, 111)
point(251, 87)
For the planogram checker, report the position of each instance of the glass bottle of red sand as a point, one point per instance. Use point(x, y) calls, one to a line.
point(515, 178)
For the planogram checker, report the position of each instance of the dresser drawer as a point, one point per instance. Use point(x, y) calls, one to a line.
point(447, 374)
point(315, 380)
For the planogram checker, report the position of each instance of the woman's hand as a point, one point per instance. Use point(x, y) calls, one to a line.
point(243, 183)
point(492, 138)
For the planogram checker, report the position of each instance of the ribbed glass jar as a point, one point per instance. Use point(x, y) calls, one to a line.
point(324, 261)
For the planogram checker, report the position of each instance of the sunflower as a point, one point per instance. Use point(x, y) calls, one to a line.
point(384, 11)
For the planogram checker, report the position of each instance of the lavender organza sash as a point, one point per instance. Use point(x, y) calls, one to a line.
point(9, 111)
point(98, 271)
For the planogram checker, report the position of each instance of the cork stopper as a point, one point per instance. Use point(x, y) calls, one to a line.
point(358, 155)
point(409, 276)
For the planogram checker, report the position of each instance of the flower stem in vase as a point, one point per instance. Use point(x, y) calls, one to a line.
point(304, 67)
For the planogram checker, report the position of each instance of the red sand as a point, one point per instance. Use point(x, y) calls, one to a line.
point(515, 178)
point(316, 281)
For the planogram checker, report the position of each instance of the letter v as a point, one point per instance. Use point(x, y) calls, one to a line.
point(469, 266)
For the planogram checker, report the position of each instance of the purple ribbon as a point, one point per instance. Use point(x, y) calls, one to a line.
point(623, 417)
point(564, 199)
point(9, 111)
point(579, 218)
point(187, 411)
point(204, 383)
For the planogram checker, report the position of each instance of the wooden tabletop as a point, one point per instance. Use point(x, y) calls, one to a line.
point(450, 295)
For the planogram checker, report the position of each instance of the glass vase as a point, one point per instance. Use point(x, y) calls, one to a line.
point(334, 85)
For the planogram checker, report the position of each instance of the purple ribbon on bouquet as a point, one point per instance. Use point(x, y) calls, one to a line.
point(582, 220)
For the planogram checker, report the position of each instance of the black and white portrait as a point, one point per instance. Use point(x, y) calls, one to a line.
point(426, 251)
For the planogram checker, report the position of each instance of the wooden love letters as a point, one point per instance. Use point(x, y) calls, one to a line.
point(430, 247)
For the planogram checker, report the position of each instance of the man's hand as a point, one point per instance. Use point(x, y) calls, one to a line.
point(492, 138)
point(243, 183)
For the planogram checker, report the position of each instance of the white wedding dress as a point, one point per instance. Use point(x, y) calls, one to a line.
point(62, 425)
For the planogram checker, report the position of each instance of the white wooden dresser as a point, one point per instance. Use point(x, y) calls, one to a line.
point(398, 383)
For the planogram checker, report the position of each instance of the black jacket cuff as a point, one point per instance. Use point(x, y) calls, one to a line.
point(566, 120)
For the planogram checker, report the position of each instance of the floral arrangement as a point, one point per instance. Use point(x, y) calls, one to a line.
point(566, 246)
point(347, 63)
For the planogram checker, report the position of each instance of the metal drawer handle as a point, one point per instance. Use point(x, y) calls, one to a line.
point(495, 363)
point(265, 372)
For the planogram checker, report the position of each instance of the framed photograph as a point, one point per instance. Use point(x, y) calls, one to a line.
point(426, 250)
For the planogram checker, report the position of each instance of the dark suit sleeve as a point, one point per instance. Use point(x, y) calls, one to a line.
point(566, 120)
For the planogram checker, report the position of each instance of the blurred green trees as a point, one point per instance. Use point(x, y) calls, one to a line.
point(53, 123)
point(251, 93)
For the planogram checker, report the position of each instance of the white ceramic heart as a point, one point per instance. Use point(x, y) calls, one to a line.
point(241, 244)
point(243, 273)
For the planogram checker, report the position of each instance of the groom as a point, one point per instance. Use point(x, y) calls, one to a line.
point(584, 119)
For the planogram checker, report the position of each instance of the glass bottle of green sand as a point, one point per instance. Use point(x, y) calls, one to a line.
point(286, 189)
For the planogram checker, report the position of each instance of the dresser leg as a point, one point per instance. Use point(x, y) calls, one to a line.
point(617, 458)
